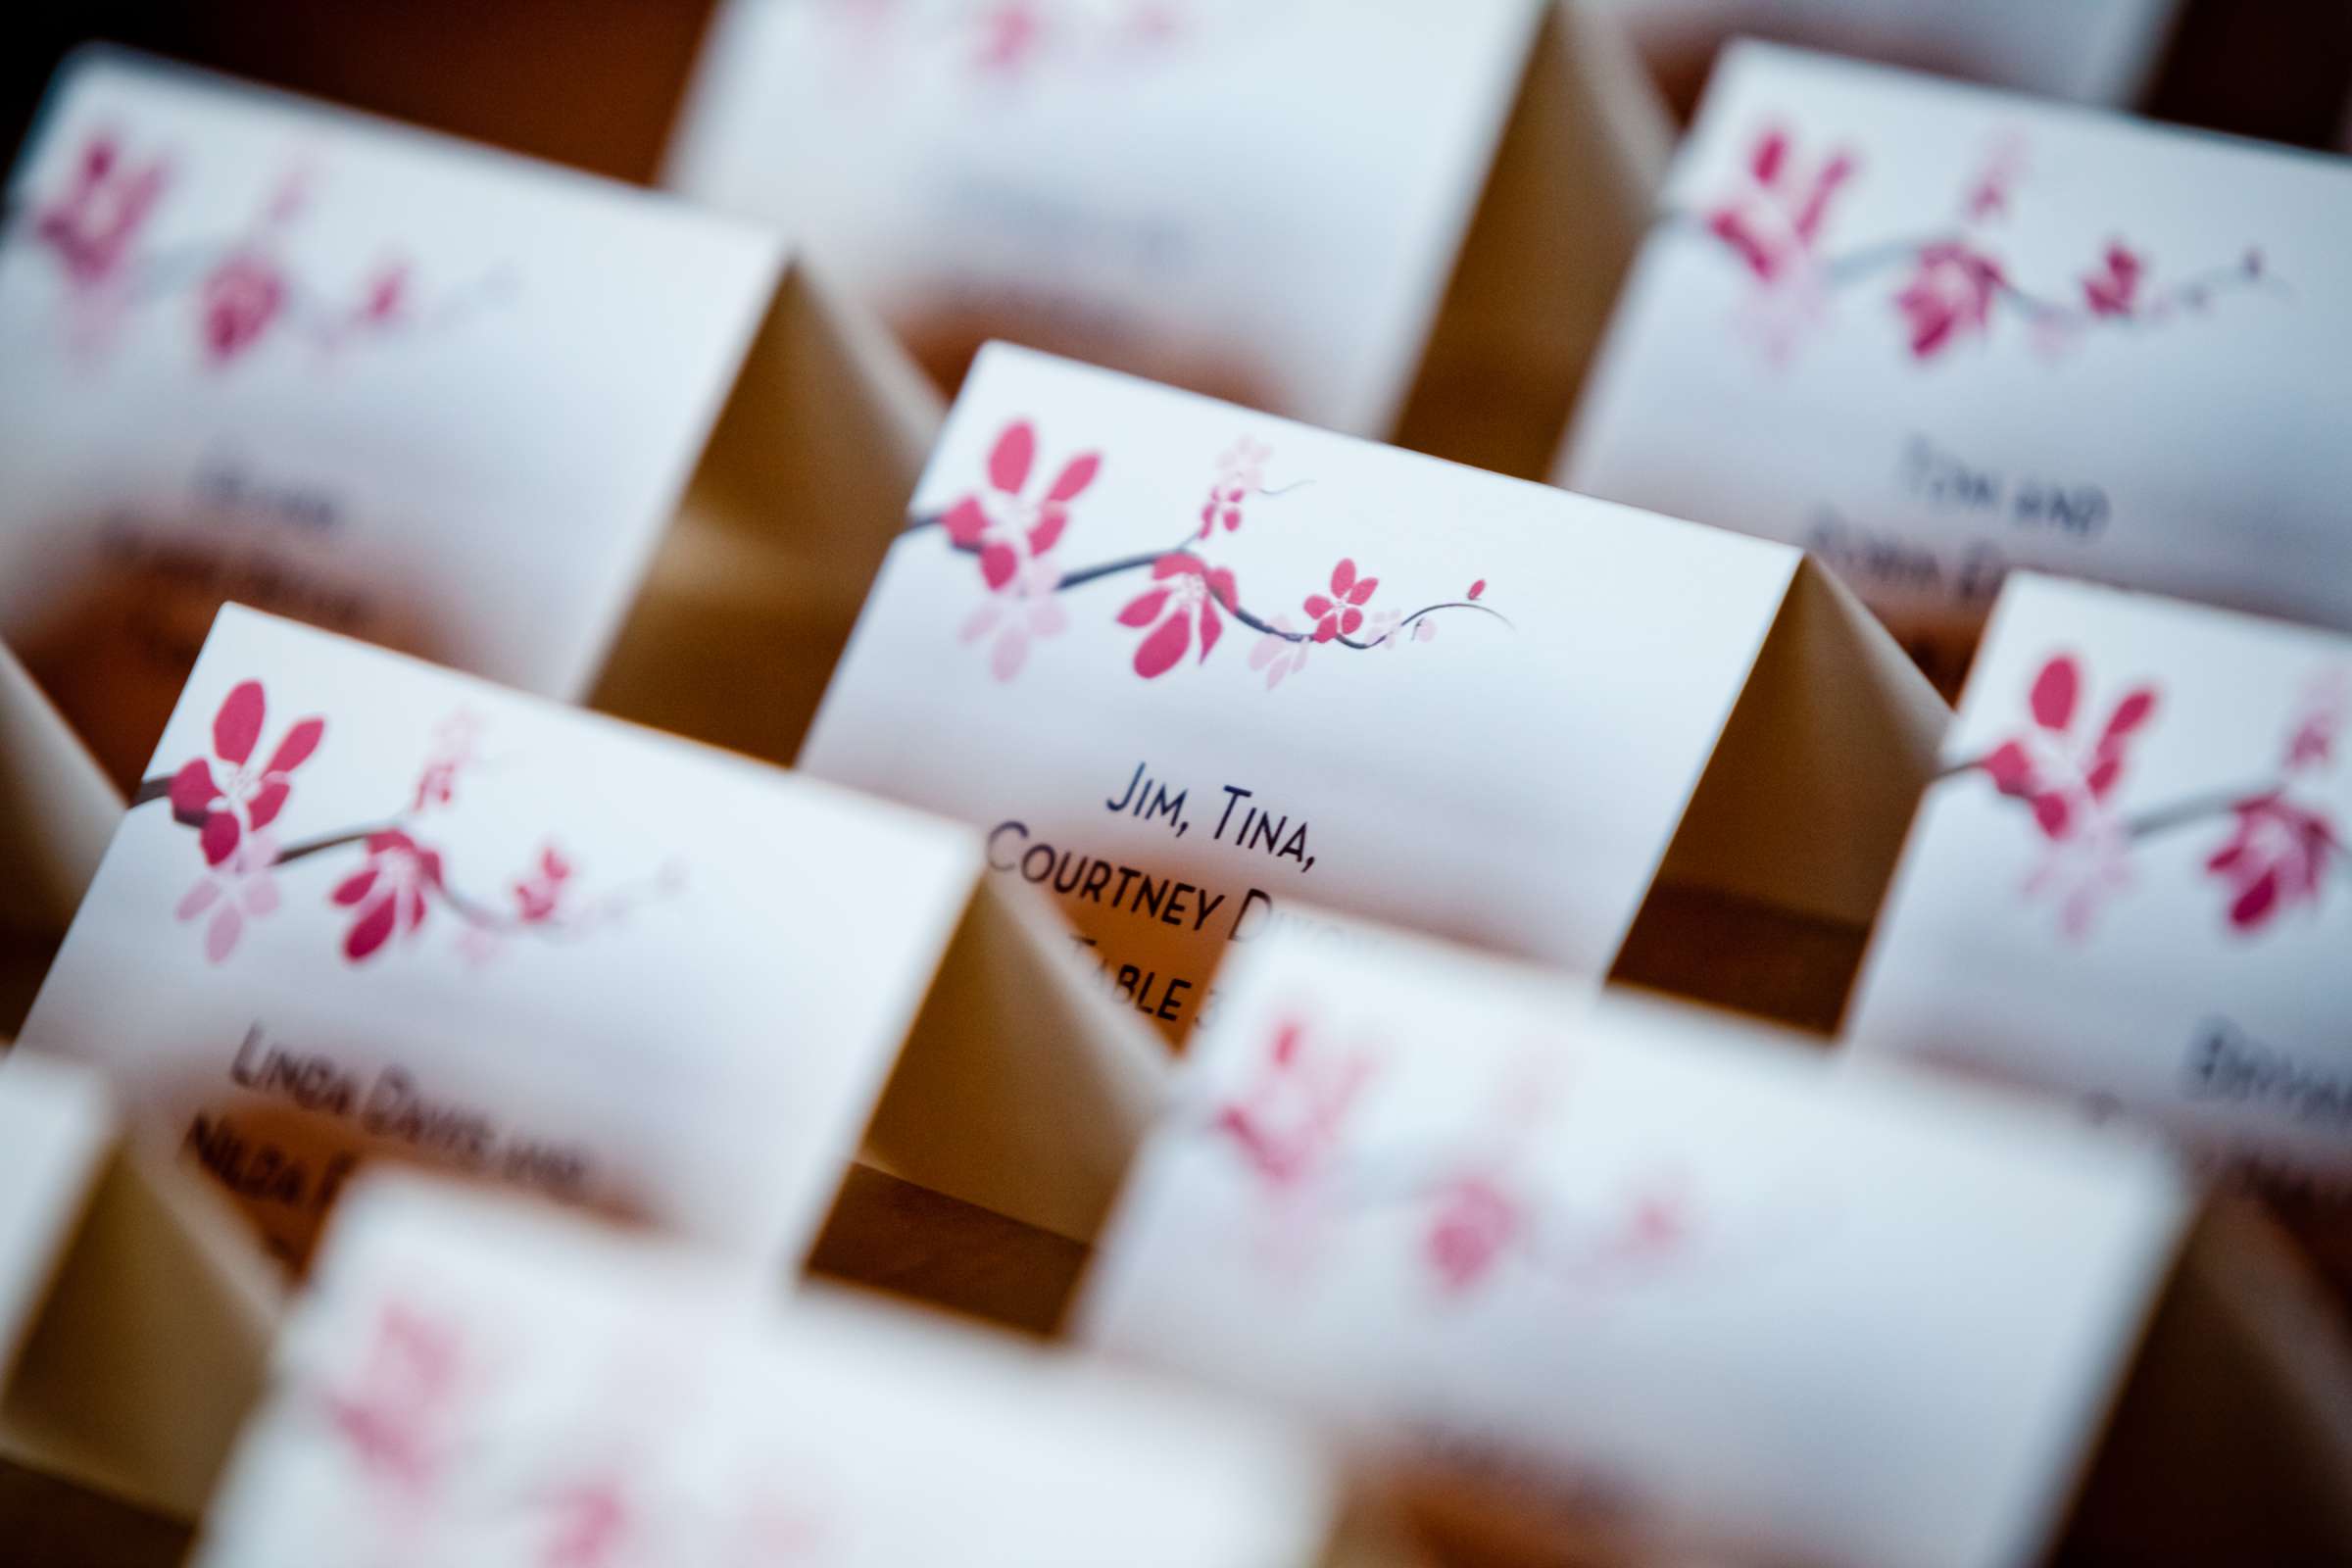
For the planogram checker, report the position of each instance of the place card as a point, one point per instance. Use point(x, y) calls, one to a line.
point(1933, 332)
point(378, 909)
point(57, 812)
point(2126, 884)
point(134, 1317)
point(1394, 221)
point(2089, 51)
point(434, 396)
point(1606, 1255)
point(1189, 667)
point(468, 1382)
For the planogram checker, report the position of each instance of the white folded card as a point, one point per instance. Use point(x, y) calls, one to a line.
point(1187, 665)
point(57, 812)
point(1747, 1295)
point(134, 1316)
point(2129, 885)
point(1932, 332)
point(431, 395)
point(2092, 51)
point(377, 907)
point(1260, 200)
point(468, 1383)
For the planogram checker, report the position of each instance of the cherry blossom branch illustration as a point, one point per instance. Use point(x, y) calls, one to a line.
point(244, 289)
point(2283, 846)
point(1012, 536)
point(233, 813)
point(1775, 216)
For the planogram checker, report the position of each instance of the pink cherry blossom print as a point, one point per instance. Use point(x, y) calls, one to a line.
point(2278, 857)
point(595, 1523)
point(1476, 1221)
point(1340, 612)
point(1287, 1126)
point(239, 301)
point(1477, 590)
point(92, 226)
point(457, 747)
point(242, 888)
point(1280, 652)
point(243, 796)
point(1949, 296)
point(1011, 32)
point(1240, 474)
point(1774, 218)
point(1025, 610)
point(1987, 195)
point(2064, 778)
point(2114, 290)
point(392, 1418)
point(539, 895)
point(1002, 525)
point(390, 893)
point(2326, 703)
point(385, 295)
point(1181, 610)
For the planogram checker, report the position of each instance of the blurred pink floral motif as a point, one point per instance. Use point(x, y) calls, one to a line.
point(2068, 780)
point(539, 894)
point(1241, 473)
point(1183, 609)
point(392, 1418)
point(1006, 529)
point(1280, 652)
point(245, 797)
point(1342, 612)
point(2278, 857)
point(1286, 1124)
point(1476, 1220)
point(1023, 611)
point(594, 1527)
point(1773, 219)
point(240, 888)
point(1950, 297)
point(389, 892)
point(240, 298)
point(2115, 289)
point(92, 224)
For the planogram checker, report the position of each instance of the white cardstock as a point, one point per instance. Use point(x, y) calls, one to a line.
point(363, 906)
point(1261, 199)
point(1645, 1259)
point(254, 348)
point(1932, 332)
point(2127, 885)
point(1187, 665)
point(468, 1384)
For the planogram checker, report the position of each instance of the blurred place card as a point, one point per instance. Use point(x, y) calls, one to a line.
point(430, 395)
point(2128, 884)
point(1932, 332)
point(374, 908)
point(134, 1316)
point(2090, 51)
point(1639, 1261)
point(1188, 666)
point(469, 1383)
point(57, 810)
point(1263, 200)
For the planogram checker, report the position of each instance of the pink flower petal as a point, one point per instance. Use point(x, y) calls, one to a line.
point(1145, 608)
point(1476, 588)
point(259, 895)
point(1047, 617)
point(2132, 713)
point(1159, 652)
point(965, 521)
point(197, 898)
point(1177, 564)
point(1211, 627)
point(2052, 813)
point(1011, 649)
point(2255, 905)
point(1343, 577)
point(1317, 605)
point(2054, 691)
point(1076, 476)
point(268, 802)
point(997, 563)
point(220, 837)
point(370, 931)
point(221, 937)
point(1362, 590)
point(238, 726)
point(355, 887)
point(1051, 520)
point(295, 750)
point(2011, 768)
point(981, 621)
point(193, 792)
point(1008, 461)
